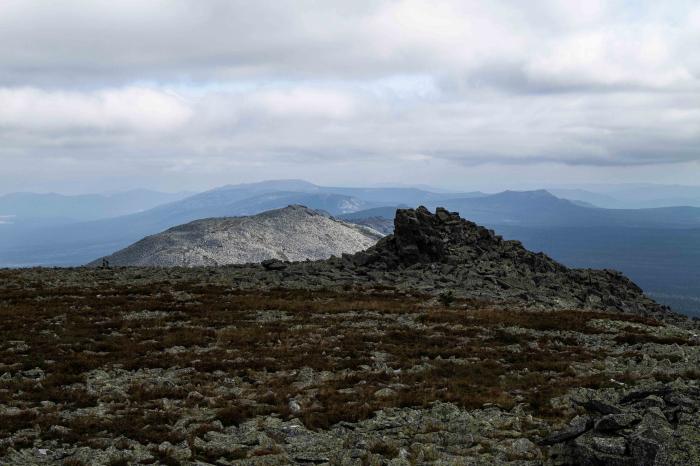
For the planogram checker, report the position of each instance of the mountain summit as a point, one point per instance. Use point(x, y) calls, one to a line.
point(294, 233)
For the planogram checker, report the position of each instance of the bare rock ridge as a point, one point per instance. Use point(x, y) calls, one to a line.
point(294, 233)
point(445, 251)
point(430, 253)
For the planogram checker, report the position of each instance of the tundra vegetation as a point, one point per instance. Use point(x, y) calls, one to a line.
point(174, 366)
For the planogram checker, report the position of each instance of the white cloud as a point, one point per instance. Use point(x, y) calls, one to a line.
point(74, 41)
point(637, 57)
point(129, 109)
point(303, 103)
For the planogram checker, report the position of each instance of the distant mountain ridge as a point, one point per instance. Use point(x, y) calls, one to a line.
point(382, 195)
point(34, 206)
point(78, 243)
point(294, 233)
point(540, 208)
point(633, 196)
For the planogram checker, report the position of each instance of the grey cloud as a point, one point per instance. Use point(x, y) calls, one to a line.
point(131, 88)
point(102, 41)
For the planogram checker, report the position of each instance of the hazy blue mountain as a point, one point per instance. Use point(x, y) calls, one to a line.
point(407, 196)
point(381, 195)
point(268, 194)
point(232, 202)
point(633, 196)
point(30, 207)
point(260, 187)
point(542, 209)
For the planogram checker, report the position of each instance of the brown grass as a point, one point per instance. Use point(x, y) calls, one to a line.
point(467, 351)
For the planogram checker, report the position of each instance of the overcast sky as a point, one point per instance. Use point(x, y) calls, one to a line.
point(188, 94)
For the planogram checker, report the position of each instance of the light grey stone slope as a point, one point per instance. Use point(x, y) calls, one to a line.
point(294, 233)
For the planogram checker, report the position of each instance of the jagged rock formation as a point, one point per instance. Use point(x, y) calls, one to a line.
point(294, 233)
point(471, 260)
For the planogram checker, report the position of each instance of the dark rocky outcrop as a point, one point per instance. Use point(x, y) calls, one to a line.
point(273, 264)
point(472, 261)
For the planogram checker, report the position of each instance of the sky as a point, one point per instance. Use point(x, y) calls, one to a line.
point(462, 94)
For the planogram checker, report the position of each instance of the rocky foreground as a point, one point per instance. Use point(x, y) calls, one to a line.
point(496, 356)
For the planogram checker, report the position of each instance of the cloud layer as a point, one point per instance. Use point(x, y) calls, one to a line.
point(217, 86)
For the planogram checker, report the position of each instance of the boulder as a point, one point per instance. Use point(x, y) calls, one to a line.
point(611, 445)
point(273, 264)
